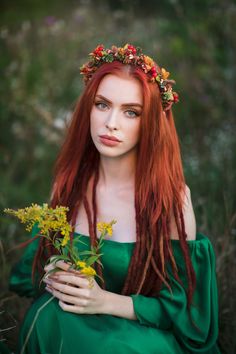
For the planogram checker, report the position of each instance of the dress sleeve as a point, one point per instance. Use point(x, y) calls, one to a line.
point(21, 273)
point(169, 311)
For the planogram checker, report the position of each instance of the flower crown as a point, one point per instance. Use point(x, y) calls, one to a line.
point(130, 54)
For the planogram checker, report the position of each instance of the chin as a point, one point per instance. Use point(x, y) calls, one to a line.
point(109, 153)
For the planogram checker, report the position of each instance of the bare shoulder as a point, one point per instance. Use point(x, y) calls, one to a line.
point(189, 219)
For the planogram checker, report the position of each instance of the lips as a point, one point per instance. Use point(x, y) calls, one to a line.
point(113, 138)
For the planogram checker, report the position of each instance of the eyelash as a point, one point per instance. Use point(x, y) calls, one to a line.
point(136, 113)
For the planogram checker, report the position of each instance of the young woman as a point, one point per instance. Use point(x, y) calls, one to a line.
point(121, 160)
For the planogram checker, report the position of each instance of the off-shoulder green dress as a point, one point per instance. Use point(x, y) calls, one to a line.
point(162, 326)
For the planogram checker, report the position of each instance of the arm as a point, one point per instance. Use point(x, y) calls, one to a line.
point(173, 309)
point(157, 315)
point(189, 218)
point(119, 305)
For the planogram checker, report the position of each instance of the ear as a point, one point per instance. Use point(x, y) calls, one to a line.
point(189, 219)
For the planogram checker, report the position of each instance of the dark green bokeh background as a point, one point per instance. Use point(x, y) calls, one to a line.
point(42, 45)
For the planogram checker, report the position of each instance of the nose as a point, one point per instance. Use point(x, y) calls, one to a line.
point(112, 122)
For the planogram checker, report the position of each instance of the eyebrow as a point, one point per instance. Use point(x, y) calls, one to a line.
point(123, 105)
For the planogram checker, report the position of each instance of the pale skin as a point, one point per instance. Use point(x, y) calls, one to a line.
point(110, 116)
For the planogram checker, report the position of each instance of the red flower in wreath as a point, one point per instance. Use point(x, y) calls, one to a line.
point(130, 49)
point(176, 97)
point(98, 50)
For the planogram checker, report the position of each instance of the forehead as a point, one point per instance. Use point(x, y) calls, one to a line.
point(120, 89)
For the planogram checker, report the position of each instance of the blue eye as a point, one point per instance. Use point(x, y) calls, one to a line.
point(100, 105)
point(134, 114)
point(103, 106)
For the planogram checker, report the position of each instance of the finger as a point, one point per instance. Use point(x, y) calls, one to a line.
point(67, 289)
point(69, 268)
point(72, 279)
point(48, 267)
point(67, 298)
point(51, 264)
point(71, 271)
point(62, 265)
point(69, 308)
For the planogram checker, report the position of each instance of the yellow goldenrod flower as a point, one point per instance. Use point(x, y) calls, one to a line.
point(88, 271)
point(53, 221)
point(106, 228)
point(48, 219)
point(81, 264)
point(109, 231)
point(65, 240)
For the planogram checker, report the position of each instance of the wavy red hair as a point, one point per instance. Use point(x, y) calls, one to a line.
point(159, 185)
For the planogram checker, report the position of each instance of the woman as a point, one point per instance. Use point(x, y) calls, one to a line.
point(121, 160)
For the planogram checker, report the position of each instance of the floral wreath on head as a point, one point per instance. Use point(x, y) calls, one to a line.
point(130, 54)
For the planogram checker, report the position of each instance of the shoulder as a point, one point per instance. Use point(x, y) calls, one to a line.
point(189, 218)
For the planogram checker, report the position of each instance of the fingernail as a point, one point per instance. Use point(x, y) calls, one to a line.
point(47, 281)
point(48, 289)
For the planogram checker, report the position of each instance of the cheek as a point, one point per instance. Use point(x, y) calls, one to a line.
point(97, 118)
point(134, 133)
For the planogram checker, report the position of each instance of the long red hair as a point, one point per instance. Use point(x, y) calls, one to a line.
point(159, 185)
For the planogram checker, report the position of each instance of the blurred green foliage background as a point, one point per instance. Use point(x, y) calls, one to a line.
point(43, 44)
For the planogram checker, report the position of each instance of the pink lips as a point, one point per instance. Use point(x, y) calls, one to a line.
point(109, 137)
point(109, 140)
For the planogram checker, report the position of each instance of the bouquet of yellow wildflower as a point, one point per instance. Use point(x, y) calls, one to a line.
point(52, 221)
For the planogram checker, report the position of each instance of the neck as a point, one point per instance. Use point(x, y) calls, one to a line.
point(118, 171)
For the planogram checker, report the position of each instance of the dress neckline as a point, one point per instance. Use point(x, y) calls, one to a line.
point(199, 237)
point(88, 237)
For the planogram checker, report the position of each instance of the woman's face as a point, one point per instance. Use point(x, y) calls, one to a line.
point(116, 112)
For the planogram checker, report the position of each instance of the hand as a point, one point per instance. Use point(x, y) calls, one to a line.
point(53, 265)
point(76, 292)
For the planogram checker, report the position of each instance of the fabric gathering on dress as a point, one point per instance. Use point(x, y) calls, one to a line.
point(163, 325)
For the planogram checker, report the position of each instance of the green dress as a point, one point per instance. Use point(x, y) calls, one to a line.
point(162, 325)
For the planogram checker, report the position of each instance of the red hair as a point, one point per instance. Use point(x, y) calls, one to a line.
point(159, 185)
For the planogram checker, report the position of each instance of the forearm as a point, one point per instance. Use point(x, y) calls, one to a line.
point(119, 305)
